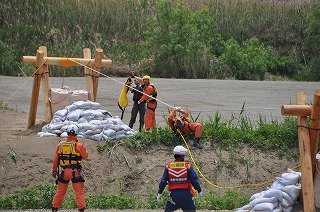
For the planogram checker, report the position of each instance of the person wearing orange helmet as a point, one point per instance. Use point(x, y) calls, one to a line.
point(68, 156)
point(149, 96)
point(182, 182)
point(184, 125)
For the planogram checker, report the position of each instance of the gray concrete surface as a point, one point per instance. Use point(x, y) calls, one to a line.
point(199, 96)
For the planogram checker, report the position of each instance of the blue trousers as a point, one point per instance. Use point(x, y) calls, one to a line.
point(180, 199)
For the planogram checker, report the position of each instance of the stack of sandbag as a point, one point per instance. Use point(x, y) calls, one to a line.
point(94, 122)
point(281, 196)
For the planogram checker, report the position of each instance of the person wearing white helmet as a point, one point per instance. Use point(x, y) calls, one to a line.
point(68, 157)
point(182, 180)
point(149, 96)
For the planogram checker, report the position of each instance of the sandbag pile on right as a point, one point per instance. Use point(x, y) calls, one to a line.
point(280, 197)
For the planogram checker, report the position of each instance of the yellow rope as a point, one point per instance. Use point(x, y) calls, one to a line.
point(226, 187)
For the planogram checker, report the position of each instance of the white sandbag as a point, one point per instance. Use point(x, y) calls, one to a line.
point(284, 181)
point(57, 132)
point(83, 104)
point(93, 132)
point(288, 199)
point(95, 122)
point(96, 137)
point(245, 208)
point(109, 132)
point(130, 133)
point(265, 207)
point(57, 119)
point(118, 136)
point(95, 105)
point(74, 115)
point(288, 209)
point(87, 113)
point(293, 191)
point(45, 128)
point(86, 126)
point(121, 132)
point(71, 108)
point(285, 203)
point(46, 134)
point(61, 113)
point(126, 127)
point(64, 135)
point(273, 193)
point(82, 120)
point(116, 127)
point(104, 137)
point(276, 185)
point(256, 195)
point(277, 209)
point(291, 177)
point(57, 126)
point(272, 200)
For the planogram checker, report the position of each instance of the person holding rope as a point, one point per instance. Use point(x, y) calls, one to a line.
point(68, 156)
point(137, 92)
point(149, 96)
point(183, 124)
point(182, 181)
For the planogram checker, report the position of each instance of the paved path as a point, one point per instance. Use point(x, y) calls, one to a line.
point(204, 97)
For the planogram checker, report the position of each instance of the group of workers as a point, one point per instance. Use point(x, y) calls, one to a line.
point(179, 175)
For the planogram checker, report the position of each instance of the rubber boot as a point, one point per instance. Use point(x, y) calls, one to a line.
point(54, 209)
point(131, 125)
point(81, 210)
point(197, 143)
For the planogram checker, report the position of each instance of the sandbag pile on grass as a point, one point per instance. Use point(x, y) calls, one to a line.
point(280, 197)
point(94, 123)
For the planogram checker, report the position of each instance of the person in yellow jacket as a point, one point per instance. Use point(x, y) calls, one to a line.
point(68, 156)
point(149, 96)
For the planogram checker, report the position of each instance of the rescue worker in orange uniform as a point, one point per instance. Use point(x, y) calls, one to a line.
point(149, 96)
point(69, 156)
point(184, 124)
point(182, 182)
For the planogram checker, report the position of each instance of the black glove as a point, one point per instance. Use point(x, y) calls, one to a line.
point(54, 174)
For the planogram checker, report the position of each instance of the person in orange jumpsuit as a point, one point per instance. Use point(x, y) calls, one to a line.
point(149, 96)
point(185, 126)
point(68, 156)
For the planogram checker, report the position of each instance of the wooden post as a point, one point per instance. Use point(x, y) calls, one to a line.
point(88, 74)
point(95, 75)
point(35, 89)
point(307, 190)
point(45, 88)
point(314, 127)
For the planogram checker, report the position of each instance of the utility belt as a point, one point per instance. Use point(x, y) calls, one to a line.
point(74, 179)
point(153, 109)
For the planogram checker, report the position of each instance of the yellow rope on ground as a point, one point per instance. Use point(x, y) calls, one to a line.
point(226, 187)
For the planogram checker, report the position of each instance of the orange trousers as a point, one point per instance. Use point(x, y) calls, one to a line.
point(150, 117)
point(62, 189)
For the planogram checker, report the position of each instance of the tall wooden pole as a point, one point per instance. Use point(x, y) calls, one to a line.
point(88, 75)
point(307, 189)
point(45, 88)
point(35, 89)
point(96, 75)
point(314, 127)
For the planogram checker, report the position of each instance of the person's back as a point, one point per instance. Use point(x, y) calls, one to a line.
point(68, 156)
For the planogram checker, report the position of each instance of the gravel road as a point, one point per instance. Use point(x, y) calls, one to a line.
point(196, 95)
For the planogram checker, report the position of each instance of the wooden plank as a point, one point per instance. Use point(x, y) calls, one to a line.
point(88, 74)
point(296, 110)
point(35, 90)
point(314, 127)
point(96, 74)
point(63, 61)
point(45, 88)
point(307, 191)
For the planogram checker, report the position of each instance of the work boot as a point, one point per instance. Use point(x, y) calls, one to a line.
point(81, 210)
point(197, 143)
point(131, 125)
point(54, 209)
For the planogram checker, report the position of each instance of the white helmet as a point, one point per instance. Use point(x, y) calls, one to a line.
point(72, 129)
point(180, 150)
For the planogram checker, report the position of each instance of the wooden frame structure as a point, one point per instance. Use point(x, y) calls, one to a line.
point(41, 62)
point(308, 135)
